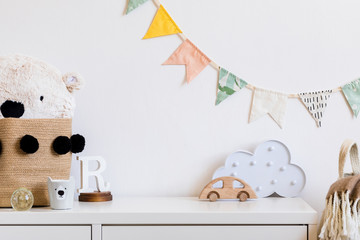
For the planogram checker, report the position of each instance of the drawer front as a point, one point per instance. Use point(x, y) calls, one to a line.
point(45, 232)
point(204, 232)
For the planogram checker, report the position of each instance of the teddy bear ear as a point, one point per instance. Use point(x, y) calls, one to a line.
point(49, 180)
point(73, 81)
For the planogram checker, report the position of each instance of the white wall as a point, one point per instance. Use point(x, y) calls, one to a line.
point(162, 137)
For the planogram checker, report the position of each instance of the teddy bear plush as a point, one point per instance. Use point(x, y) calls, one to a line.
point(31, 88)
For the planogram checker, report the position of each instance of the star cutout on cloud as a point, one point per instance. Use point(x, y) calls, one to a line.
point(267, 171)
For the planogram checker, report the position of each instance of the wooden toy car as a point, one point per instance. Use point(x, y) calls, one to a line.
point(231, 188)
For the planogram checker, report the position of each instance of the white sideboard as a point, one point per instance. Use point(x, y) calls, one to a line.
point(163, 219)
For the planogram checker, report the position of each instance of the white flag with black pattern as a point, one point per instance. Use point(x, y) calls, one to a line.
point(316, 102)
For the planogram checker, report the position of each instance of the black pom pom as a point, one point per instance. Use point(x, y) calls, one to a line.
point(12, 109)
point(29, 144)
point(77, 143)
point(62, 145)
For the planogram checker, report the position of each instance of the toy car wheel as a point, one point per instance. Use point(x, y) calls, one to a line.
point(213, 196)
point(243, 196)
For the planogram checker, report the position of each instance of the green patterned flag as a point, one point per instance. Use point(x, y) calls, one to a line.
point(134, 4)
point(352, 95)
point(228, 85)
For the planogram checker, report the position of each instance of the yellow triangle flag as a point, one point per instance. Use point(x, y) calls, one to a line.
point(162, 25)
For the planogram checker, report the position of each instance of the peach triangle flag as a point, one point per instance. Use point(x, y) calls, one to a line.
point(189, 55)
point(162, 25)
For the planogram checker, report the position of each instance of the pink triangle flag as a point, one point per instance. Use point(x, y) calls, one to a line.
point(188, 54)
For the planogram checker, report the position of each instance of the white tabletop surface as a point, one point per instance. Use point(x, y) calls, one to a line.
point(170, 211)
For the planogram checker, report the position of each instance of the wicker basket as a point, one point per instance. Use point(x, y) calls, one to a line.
point(18, 169)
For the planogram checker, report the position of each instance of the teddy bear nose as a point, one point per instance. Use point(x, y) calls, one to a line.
point(61, 192)
point(12, 109)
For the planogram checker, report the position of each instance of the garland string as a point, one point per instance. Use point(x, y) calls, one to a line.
point(217, 67)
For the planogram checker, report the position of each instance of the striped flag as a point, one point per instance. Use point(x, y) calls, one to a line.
point(316, 102)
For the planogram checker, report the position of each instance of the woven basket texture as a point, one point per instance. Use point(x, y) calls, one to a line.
point(18, 169)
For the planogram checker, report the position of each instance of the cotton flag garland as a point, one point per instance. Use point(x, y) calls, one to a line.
point(162, 25)
point(188, 54)
point(316, 102)
point(264, 101)
point(228, 84)
point(268, 102)
point(134, 4)
point(352, 95)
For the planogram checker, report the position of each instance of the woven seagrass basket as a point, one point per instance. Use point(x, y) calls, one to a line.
point(18, 169)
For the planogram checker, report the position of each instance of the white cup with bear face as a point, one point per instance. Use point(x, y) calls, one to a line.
point(61, 193)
